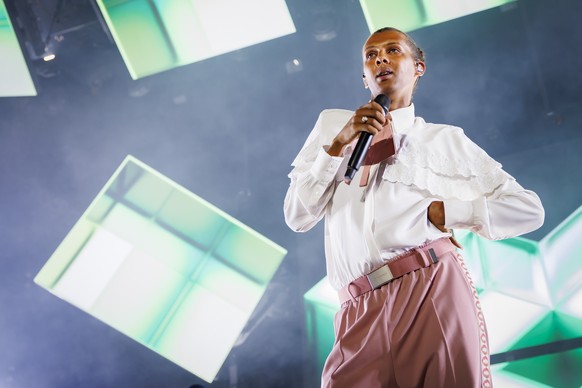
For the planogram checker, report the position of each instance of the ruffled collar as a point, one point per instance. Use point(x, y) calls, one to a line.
point(436, 158)
point(441, 160)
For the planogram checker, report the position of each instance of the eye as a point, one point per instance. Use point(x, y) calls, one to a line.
point(393, 50)
point(370, 55)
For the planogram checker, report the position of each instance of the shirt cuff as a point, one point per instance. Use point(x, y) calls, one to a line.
point(458, 214)
point(325, 166)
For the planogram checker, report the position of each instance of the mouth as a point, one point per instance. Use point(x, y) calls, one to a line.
point(384, 74)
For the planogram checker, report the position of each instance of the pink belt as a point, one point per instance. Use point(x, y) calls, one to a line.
point(413, 260)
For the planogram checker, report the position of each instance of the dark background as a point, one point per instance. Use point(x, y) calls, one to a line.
point(227, 128)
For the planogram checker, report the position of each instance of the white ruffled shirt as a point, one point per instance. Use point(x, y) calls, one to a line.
point(367, 226)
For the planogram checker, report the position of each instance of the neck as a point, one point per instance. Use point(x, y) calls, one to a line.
point(398, 99)
point(397, 102)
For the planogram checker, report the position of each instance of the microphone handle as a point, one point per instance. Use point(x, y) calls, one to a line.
point(359, 154)
point(363, 144)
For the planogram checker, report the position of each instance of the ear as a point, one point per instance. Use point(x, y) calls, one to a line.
point(420, 68)
point(365, 82)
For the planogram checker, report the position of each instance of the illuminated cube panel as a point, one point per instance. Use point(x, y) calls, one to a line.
point(531, 294)
point(552, 370)
point(320, 307)
point(408, 15)
point(504, 379)
point(158, 35)
point(15, 80)
point(164, 267)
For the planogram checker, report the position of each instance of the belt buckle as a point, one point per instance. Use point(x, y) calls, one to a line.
point(433, 256)
point(380, 277)
point(429, 255)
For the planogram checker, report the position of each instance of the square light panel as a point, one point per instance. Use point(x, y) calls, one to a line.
point(164, 267)
point(408, 15)
point(15, 79)
point(158, 35)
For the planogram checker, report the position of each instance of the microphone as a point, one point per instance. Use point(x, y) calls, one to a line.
point(363, 143)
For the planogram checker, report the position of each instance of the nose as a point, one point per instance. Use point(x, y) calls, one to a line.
point(382, 58)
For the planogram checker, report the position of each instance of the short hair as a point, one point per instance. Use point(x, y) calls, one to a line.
point(416, 51)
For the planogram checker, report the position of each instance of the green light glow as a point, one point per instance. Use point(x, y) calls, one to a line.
point(15, 79)
point(554, 370)
point(164, 267)
point(408, 15)
point(158, 35)
point(531, 294)
point(320, 307)
point(506, 379)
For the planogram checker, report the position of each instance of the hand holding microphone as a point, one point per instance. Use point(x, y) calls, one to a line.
point(365, 138)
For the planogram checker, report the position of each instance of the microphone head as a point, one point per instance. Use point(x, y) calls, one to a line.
point(384, 101)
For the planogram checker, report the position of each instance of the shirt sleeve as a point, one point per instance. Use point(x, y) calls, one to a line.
point(314, 176)
point(312, 186)
point(509, 211)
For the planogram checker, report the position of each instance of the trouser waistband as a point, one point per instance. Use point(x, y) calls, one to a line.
point(412, 260)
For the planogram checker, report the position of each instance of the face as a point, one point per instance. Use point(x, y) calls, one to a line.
point(390, 67)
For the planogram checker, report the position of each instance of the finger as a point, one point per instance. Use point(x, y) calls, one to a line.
point(362, 117)
point(372, 129)
point(379, 107)
point(373, 112)
point(371, 125)
point(372, 106)
point(370, 118)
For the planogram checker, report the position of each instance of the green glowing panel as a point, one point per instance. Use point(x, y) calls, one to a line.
point(530, 292)
point(555, 326)
point(321, 304)
point(158, 35)
point(505, 379)
point(164, 267)
point(15, 78)
point(508, 318)
point(408, 15)
point(520, 256)
point(552, 370)
point(562, 255)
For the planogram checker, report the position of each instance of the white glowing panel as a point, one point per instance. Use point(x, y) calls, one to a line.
point(94, 267)
point(158, 35)
point(164, 267)
point(408, 15)
point(202, 311)
point(573, 305)
point(15, 79)
point(508, 318)
point(230, 25)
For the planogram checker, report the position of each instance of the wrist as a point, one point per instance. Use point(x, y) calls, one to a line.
point(335, 149)
point(436, 213)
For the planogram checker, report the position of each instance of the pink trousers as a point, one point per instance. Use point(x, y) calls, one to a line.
point(424, 329)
